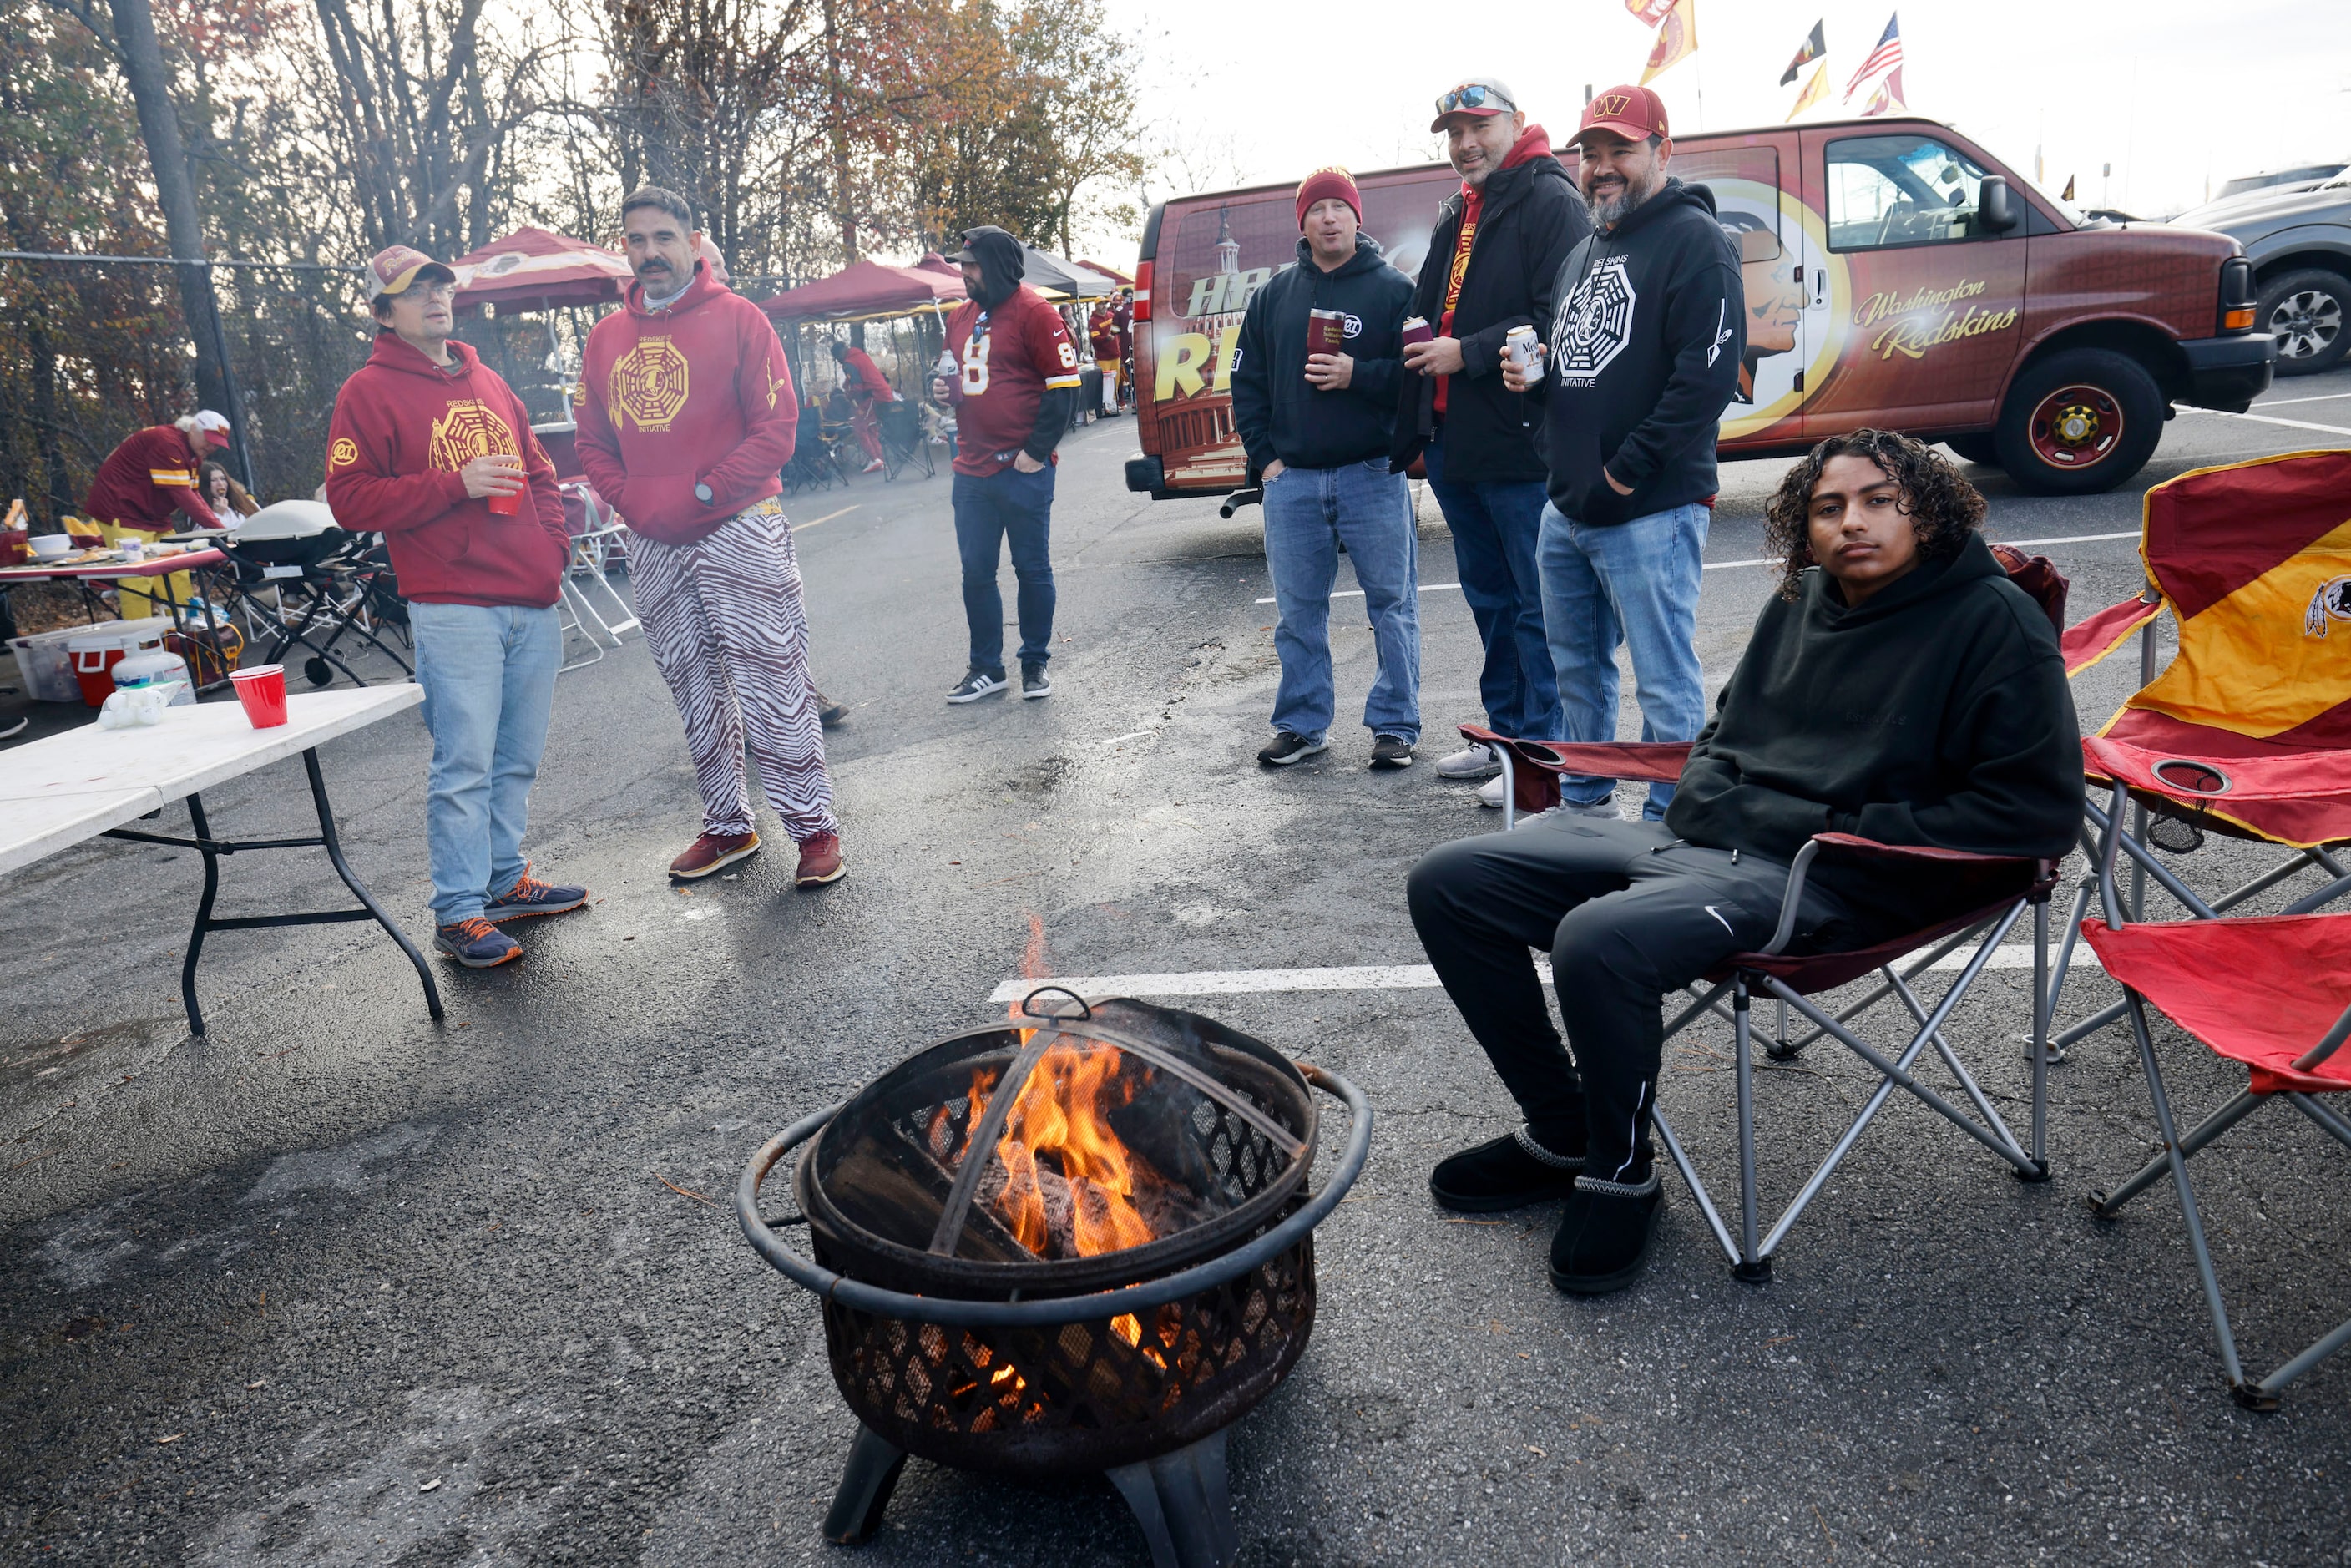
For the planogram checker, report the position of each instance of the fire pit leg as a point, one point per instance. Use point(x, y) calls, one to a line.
point(874, 1465)
point(1180, 1500)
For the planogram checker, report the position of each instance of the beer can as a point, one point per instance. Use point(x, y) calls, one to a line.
point(1520, 342)
point(1416, 330)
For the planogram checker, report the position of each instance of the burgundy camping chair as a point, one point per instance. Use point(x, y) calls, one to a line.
point(2199, 972)
point(2247, 733)
point(1994, 892)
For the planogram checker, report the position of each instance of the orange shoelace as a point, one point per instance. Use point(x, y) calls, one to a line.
point(476, 929)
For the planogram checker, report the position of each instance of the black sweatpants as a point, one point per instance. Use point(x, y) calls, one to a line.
point(1629, 914)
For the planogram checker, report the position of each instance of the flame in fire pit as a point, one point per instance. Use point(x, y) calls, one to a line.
point(1069, 1182)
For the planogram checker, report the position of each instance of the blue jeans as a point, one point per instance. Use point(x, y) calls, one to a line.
point(1309, 512)
point(488, 675)
point(1494, 526)
point(1015, 508)
point(1634, 582)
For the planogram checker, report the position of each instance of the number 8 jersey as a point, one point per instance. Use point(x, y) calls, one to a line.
point(1008, 358)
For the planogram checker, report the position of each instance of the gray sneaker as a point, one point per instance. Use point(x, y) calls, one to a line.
point(1287, 749)
point(1601, 810)
point(1474, 762)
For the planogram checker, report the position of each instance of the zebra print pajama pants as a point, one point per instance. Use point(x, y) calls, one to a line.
point(723, 618)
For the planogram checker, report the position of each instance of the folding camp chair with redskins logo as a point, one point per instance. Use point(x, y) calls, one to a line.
point(2199, 972)
point(2247, 733)
point(1993, 893)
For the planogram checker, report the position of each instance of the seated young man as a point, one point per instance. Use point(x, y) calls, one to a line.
point(1898, 687)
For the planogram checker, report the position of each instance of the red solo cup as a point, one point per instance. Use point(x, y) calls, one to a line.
point(262, 690)
point(506, 505)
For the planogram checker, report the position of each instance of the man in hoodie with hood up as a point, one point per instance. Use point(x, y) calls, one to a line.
point(1496, 248)
point(429, 448)
point(687, 419)
point(1016, 384)
point(1644, 348)
point(1316, 419)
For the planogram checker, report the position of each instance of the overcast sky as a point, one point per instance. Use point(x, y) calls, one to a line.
point(2171, 92)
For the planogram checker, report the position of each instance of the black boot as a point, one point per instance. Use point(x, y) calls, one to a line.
point(1603, 1238)
point(1510, 1172)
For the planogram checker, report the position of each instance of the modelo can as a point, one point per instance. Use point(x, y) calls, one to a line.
point(1519, 343)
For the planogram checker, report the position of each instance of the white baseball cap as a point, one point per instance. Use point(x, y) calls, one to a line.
point(207, 420)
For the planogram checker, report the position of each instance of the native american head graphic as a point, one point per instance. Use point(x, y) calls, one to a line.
point(2331, 602)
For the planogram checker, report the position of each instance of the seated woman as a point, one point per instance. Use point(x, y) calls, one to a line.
point(1898, 687)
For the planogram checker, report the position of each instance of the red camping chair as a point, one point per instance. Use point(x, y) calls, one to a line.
point(2247, 733)
point(1997, 891)
point(2199, 972)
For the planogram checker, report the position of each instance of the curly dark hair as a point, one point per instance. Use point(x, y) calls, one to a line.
point(1941, 505)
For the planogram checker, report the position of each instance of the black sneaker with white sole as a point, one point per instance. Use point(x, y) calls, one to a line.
point(1034, 683)
point(977, 683)
point(1391, 751)
point(1288, 749)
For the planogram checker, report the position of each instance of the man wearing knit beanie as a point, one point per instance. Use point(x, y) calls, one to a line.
point(1314, 393)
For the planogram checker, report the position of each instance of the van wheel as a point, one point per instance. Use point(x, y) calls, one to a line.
point(2304, 312)
point(1979, 447)
point(2079, 423)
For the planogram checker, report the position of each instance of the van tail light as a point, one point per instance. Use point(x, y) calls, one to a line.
point(1143, 291)
point(2236, 295)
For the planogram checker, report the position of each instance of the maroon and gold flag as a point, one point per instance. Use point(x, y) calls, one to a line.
point(1677, 40)
point(1651, 12)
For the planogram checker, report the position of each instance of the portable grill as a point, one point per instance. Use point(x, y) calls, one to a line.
point(321, 584)
point(1071, 1243)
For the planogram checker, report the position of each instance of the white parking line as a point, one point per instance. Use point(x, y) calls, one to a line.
point(1773, 560)
point(2281, 402)
point(2265, 419)
point(1368, 977)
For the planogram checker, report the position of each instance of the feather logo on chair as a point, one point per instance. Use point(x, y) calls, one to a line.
point(2331, 602)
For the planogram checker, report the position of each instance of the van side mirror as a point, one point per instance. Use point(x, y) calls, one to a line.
point(1995, 207)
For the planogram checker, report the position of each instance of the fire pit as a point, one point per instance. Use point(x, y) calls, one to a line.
point(1079, 1241)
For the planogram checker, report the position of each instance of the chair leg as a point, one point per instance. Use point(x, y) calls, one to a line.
point(2107, 1204)
point(2056, 986)
point(1697, 1187)
point(2041, 1002)
point(1753, 1267)
point(2177, 1159)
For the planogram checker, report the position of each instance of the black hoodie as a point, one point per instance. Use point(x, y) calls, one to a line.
point(1002, 265)
point(1277, 412)
point(1936, 713)
point(1643, 350)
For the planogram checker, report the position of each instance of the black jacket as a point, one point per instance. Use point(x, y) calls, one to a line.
point(1531, 218)
point(1936, 713)
point(1643, 350)
point(1276, 410)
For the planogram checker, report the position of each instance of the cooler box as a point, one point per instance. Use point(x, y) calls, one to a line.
point(44, 660)
point(96, 650)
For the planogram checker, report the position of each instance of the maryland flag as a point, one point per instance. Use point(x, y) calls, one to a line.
point(2252, 716)
point(1816, 91)
point(1815, 46)
point(1677, 40)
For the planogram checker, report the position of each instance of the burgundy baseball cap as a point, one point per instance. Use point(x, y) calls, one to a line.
point(1633, 113)
point(1480, 97)
point(393, 269)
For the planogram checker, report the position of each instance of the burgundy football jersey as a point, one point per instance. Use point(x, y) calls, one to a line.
point(1009, 356)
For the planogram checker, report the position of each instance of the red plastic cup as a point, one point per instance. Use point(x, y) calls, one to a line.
point(506, 505)
point(262, 690)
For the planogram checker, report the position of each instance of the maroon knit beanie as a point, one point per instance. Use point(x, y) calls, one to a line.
point(1326, 183)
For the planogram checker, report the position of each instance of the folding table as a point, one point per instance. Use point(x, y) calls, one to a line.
point(87, 783)
point(161, 568)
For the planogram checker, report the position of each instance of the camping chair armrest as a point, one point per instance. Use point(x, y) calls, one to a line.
point(1658, 761)
point(2094, 637)
point(1852, 846)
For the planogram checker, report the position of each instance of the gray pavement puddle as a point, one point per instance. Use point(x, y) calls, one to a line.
point(349, 1168)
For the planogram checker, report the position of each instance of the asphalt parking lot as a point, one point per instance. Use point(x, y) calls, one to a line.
point(335, 1286)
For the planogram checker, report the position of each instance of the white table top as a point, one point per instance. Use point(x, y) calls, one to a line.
point(54, 793)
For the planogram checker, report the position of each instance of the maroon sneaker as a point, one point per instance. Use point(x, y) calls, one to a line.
point(711, 851)
point(821, 861)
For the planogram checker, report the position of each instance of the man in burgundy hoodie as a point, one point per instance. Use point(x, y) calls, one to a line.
point(432, 450)
point(686, 420)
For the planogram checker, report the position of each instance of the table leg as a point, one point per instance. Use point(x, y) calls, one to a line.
point(203, 916)
point(343, 868)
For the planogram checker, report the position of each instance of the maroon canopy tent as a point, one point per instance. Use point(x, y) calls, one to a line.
point(531, 269)
point(863, 289)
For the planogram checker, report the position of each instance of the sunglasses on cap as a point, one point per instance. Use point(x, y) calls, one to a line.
point(1476, 95)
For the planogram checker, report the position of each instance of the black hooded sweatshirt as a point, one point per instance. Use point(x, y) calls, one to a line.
point(1277, 412)
point(1936, 713)
point(1001, 267)
point(1642, 351)
point(1529, 217)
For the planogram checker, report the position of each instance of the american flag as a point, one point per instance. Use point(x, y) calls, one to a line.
point(1886, 56)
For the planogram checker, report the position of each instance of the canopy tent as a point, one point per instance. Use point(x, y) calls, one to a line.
point(532, 269)
point(862, 291)
point(1048, 274)
point(1114, 273)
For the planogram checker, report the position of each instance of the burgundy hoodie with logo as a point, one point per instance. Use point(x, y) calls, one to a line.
point(696, 392)
point(402, 428)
